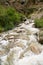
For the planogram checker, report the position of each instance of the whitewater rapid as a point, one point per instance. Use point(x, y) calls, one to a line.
point(20, 46)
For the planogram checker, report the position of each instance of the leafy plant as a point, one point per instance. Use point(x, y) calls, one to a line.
point(9, 17)
point(39, 23)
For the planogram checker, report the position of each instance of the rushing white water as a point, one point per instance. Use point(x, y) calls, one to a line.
point(20, 46)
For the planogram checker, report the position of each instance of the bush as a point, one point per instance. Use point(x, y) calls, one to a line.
point(9, 17)
point(39, 23)
point(1, 29)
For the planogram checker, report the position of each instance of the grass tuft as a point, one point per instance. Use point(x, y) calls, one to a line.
point(39, 23)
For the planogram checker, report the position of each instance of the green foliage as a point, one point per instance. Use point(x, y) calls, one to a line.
point(9, 17)
point(39, 23)
point(1, 29)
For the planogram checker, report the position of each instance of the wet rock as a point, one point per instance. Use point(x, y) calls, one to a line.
point(4, 51)
point(41, 36)
point(21, 43)
point(27, 22)
point(11, 36)
point(20, 30)
point(24, 37)
point(35, 48)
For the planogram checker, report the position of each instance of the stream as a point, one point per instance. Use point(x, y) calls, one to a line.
point(20, 45)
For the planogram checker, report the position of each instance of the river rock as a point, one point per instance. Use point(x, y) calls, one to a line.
point(11, 36)
point(2, 52)
point(21, 43)
point(35, 48)
point(20, 30)
point(41, 36)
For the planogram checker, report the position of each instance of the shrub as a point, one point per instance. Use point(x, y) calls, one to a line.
point(39, 23)
point(1, 29)
point(9, 17)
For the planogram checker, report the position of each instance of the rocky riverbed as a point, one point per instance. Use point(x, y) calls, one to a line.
point(20, 46)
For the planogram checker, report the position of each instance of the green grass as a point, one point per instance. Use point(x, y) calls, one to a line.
point(39, 23)
point(9, 18)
